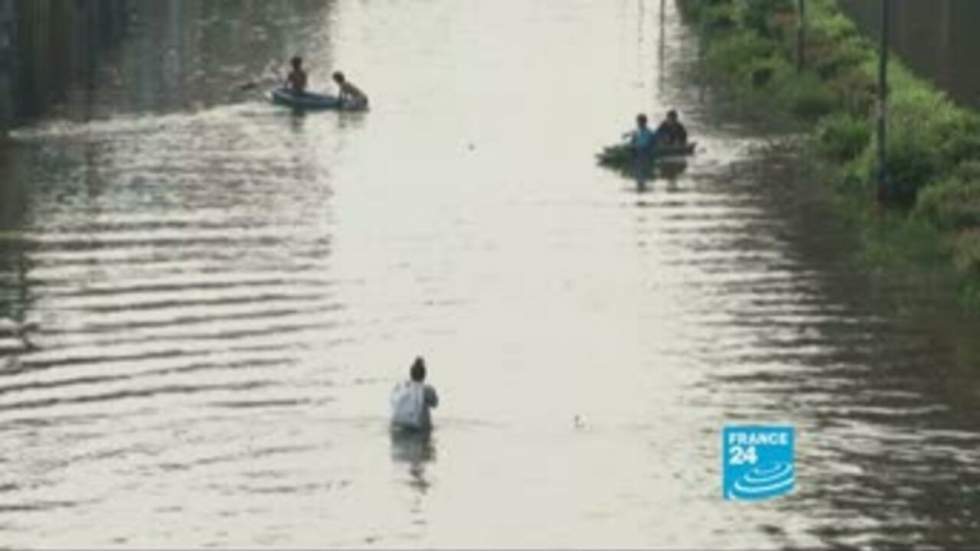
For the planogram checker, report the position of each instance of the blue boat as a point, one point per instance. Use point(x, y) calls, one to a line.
point(309, 101)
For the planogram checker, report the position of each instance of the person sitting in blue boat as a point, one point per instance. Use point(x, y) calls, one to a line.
point(642, 140)
point(296, 81)
point(411, 400)
point(671, 131)
point(350, 95)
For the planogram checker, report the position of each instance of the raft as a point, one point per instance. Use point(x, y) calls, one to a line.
point(622, 155)
point(309, 101)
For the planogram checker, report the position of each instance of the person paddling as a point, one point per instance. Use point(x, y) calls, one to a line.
point(642, 140)
point(411, 400)
point(671, 131)
point(350, 95)
point(296, 80)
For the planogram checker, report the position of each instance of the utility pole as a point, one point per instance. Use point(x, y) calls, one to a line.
point(883, 103)
point(801, 38)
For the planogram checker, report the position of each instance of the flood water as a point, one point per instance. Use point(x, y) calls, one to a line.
point(227, 292)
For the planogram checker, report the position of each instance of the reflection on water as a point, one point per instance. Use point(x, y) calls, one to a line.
point(226, 293)
point(45, 45)
point(415, 449)
point(646, 173)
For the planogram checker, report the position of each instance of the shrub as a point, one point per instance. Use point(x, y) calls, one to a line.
point(690, 10)
point(854, 178)
point(951, 204)
point(842, 137)
point(956, 134)
point(966, 253)
point(930, 135)
point(719, 16)
point(968, 171)
point(762, 72)
point(757, 14)
point(855, 90)
point(839, 58)
point(911, 163)
point(808, 97)
point(731, 53)
point(839, 27)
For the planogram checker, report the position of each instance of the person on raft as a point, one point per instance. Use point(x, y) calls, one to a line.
point(349, 94)
point(296, 81)
point(642, 140)
point(671, 131)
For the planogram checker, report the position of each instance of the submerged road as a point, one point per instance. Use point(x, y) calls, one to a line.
point(227, 292)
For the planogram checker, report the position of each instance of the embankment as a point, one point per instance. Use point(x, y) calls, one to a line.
point(925, 222)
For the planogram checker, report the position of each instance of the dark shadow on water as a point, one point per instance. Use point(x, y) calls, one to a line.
point(671, 170)
point(297, 120)
point(646, 173)
point(350, 119)
point(17, 298)
point(415, 449)
point(643, 171)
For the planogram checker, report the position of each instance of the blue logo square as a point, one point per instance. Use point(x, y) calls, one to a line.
point(758, 462)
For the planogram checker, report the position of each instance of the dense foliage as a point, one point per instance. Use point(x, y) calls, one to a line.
point(933, 153)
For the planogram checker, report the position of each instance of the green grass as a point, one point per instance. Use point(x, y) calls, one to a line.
point(842, 137)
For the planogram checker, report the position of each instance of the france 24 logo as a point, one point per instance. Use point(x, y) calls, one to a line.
point(758, 462)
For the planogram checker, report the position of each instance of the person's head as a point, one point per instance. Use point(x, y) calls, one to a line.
point(338, 77)
point(672, 115)
point(297, 62)
point(417, 372)
point(641, 120)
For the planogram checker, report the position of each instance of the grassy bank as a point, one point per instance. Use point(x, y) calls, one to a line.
point(929, 217)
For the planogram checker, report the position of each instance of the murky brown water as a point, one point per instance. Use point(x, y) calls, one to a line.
point(227, 294)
